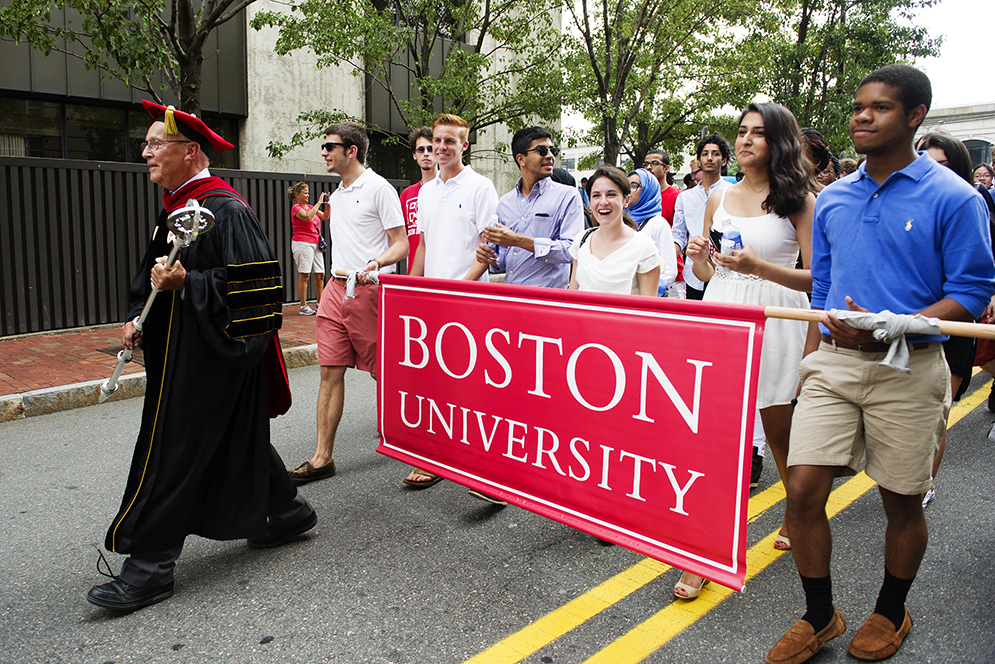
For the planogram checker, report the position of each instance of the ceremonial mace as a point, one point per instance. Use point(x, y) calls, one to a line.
point(186, 224)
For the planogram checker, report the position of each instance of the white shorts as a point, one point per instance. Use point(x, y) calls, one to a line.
point(307, 258)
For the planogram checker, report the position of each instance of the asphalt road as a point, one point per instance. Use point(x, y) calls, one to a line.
point(392, 575)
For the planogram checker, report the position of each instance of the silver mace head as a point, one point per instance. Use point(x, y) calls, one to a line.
point(188, 222)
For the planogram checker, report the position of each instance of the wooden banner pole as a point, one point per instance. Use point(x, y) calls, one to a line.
point(951, 327)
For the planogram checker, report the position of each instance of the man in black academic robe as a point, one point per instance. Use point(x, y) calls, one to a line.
point(203, 463)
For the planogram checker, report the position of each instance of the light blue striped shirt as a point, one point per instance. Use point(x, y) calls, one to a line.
point(552, 214)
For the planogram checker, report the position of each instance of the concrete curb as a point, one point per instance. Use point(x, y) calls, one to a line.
point(78, 395)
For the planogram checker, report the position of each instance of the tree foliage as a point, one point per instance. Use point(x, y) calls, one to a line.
point(132, 41)
point(819, 50)
point(638, 70)
point(654, 73)
point(491, 62)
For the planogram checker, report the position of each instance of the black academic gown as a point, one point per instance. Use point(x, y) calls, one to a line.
point(203, 463)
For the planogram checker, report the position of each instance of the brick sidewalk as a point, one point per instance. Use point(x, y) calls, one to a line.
point(53, 359)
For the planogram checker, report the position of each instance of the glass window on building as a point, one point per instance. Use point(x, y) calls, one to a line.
point(980, 150)
point(228, 130)
point(30, 128)
point(95, 133)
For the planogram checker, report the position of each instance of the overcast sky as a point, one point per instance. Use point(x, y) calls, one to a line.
point(961, 76)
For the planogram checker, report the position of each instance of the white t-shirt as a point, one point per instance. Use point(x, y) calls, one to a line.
point(658, 229)
point(360, 216)
point(451, 215)
point(617, 272)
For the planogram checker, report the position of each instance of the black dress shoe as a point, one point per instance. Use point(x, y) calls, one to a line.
point(280, 535)
point(122, 596)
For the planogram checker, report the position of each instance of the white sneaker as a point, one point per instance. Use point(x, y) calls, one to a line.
point(307, 311)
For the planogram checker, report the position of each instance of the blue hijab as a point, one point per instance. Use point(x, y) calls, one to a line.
point(649, 204)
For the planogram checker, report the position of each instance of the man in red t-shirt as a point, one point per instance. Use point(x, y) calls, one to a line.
point(420, 141)
point(657, 162)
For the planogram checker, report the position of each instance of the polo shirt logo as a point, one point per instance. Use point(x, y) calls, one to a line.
point(908, 225)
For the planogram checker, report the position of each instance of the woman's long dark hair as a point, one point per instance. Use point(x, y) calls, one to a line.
point(958, 158)
point(788, 173)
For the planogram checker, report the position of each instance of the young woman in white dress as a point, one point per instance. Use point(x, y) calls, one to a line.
point(772, 208)
point(614, 257)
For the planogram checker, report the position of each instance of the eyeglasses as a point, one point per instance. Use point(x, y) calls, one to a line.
point(647, 164)
point(155, 144)
point(635, 185)
point(330, 145)
point(426, 149)
point(695, 172)
point(544, 150)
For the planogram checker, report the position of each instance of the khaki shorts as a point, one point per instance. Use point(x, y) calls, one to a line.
point(307, 258)
point(850, 407)
point(347, 331)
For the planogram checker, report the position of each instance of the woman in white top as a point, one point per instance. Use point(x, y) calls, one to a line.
point(772, 208)
point(613, 258)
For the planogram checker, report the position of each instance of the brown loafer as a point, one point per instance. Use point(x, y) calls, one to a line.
point(801, 641)
point(305, 472)
point(877, 639)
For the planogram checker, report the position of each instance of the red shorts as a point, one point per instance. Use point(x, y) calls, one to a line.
point(347, 331)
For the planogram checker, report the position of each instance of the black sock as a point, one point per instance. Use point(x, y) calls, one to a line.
point(819, 601)
point(891, 599)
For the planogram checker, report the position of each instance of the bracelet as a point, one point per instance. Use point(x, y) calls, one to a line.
point(377, 261)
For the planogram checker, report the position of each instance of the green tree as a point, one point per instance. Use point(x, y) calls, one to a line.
point(133, 41)
point(814, 64)
point(639, 70)
point(491, 62)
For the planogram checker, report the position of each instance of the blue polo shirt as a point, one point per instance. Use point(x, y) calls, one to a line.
point(904, 245)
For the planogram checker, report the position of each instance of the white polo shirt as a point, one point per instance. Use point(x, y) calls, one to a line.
point(451, 215)
point(360, 216)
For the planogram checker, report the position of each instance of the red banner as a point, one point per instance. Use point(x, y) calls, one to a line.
point(630, 418)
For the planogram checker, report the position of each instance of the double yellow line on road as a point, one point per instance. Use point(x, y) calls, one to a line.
point(650, 635)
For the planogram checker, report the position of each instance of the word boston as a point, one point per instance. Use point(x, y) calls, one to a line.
point(629, 418)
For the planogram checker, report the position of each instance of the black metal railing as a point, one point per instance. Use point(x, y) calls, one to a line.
point(73, 232)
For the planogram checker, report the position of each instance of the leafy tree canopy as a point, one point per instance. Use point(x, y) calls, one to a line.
point(491, 62)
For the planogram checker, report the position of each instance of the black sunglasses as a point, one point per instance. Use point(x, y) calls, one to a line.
point(330, 145)
point(544, 150)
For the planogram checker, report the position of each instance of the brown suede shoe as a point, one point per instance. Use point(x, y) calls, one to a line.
point(305, 472)
point(877, 638)
point(801, 641)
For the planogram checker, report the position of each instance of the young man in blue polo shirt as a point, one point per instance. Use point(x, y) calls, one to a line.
point(907, 235)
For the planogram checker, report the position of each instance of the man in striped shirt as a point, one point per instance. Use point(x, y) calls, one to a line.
point(537, 220)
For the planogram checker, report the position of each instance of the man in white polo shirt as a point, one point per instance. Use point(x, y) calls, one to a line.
point(368, 235)
point(453, 208)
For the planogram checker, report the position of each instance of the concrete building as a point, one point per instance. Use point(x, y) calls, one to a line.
point(52, 107)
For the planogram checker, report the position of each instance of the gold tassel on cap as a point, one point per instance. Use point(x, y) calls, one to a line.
point(171, 129)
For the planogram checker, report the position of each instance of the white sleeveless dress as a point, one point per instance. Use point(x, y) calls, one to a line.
point(774, 240)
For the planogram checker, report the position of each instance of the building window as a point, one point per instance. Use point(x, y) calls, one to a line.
point(88, 132)
point(30, 128)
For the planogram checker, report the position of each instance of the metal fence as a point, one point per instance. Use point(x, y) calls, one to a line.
point(73, 232)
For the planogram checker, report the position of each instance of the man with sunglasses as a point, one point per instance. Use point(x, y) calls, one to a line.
point(367, 228)
point(420, 141)
point(537, 220)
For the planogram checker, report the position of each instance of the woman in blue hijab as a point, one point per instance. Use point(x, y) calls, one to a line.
point(645, 208)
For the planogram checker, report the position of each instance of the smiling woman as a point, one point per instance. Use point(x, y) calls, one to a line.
point(613, 258)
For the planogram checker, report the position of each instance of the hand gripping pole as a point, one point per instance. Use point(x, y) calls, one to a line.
point(187, 224)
